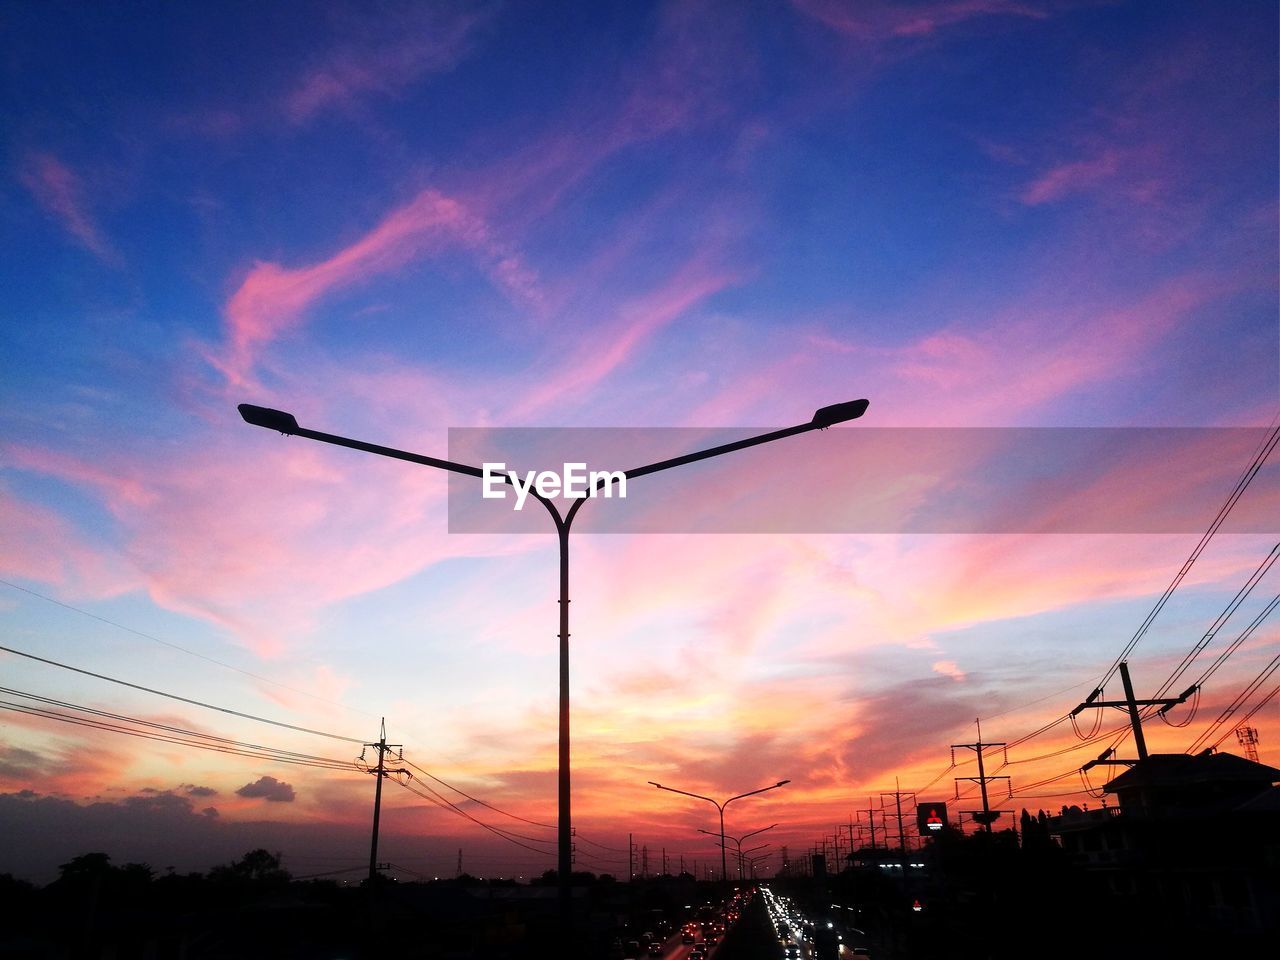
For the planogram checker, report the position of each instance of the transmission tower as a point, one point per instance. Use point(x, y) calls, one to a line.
point(1248, 737)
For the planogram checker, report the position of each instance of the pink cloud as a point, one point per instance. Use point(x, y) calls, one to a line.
point(881, 21)
point(948, 668)
point(41, 546)
point(1016, 366)
point(61, 192)
point(1071, 177)
point(273, 299)
point(688, 74)
point(607, 348)
point(406, 45)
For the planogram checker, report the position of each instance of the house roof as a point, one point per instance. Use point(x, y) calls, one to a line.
point(1176, 769)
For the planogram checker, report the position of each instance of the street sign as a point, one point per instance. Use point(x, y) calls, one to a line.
point(931, 818)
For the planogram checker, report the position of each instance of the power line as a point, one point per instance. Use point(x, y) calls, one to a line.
point(178, 647)
point(1235, 644)
point(1241, 595)
point(174, 696)
point(144, 735)
point(168, 728)
point(1250, 688)
point(490, 806)
point(1233, 498)
point(435, 799)
point(1065, 750)
point(580, 837)
point(1249, 716)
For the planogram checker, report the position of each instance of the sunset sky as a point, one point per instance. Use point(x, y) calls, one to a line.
point(400, 220)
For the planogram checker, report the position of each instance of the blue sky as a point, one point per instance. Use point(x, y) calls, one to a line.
point(398, 219)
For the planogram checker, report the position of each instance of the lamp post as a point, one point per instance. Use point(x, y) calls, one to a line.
point(287, 424)
point(737, 841)
point(750, 861)
point(724, 869)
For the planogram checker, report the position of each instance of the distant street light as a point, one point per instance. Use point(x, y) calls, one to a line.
point(724, 869)
point(751, 861)
point(737, 841)
point(287, 424)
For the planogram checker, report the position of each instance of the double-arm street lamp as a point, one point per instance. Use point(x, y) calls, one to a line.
point(724, 869)
point(287, 424)
point(753, 863)
point(737, 842)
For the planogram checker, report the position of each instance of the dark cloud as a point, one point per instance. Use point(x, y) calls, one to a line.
point(195, 790)
point(158, 803)
point(18, 763)
point(899, 719)
point(40, 832)
point(268, 788)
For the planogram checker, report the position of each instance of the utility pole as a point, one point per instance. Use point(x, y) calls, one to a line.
point(459, 873)
point(379, 772)
point(1131, 704)
point(631, 857)
point(987, 815)
point(897, 795)
point(871, 818)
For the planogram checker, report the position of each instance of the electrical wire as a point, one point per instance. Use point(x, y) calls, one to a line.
point(1097, 725)
point(174, 696)
point(216, 748)
point(1191, 714)
point(1071, 749)
point(581, 838)
point(1245, 634)
point(436, 800)
point(1235, 704)
point(1249, 716)
point(168, 728)
point(1241, 595)
point(1261, 454)
point(182, 649)
point(490, 806)
point(1264, 451)
point(1039, 731)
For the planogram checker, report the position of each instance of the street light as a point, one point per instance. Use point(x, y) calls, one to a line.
point(738, 842)
point(287, 424)
point(752, 861)
point(724, 869)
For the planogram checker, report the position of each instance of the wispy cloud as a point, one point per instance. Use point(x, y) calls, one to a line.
point(880, 20)
point(273, 299)
point(380, 57)
point(62, 194)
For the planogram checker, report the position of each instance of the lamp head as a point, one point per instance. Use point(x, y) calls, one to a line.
point(781, 783)
point(266, 417)
point(839, 413)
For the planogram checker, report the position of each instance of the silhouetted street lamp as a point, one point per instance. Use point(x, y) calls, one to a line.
point(724, 869)
point(287, 424)
point(737, 841)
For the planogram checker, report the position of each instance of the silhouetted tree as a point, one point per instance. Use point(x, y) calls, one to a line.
point(257, 866)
